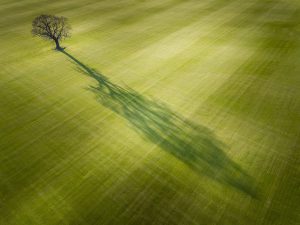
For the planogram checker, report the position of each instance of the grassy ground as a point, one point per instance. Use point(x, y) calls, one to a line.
point(158, 112)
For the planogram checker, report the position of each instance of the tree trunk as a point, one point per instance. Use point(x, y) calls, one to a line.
point(57, 44)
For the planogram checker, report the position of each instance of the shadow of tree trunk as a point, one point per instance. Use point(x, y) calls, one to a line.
point(191, 143)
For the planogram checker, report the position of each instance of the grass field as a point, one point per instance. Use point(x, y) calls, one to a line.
point(161, 112)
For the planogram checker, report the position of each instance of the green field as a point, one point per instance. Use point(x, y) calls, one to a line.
point(161, 112)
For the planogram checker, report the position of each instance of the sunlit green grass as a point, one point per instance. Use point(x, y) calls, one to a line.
point(160, 112)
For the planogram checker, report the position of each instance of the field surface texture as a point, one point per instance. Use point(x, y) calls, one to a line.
point(159, 112)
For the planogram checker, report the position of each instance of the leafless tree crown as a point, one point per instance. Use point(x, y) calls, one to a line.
point(51, 27)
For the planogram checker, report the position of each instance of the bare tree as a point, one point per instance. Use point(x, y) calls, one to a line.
point(51, 27)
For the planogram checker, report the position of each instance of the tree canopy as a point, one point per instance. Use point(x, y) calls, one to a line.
point(51, 27)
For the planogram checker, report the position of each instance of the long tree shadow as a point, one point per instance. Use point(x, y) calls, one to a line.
point(191, 143)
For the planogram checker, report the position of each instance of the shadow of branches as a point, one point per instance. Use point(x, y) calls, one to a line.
point(191, 143)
